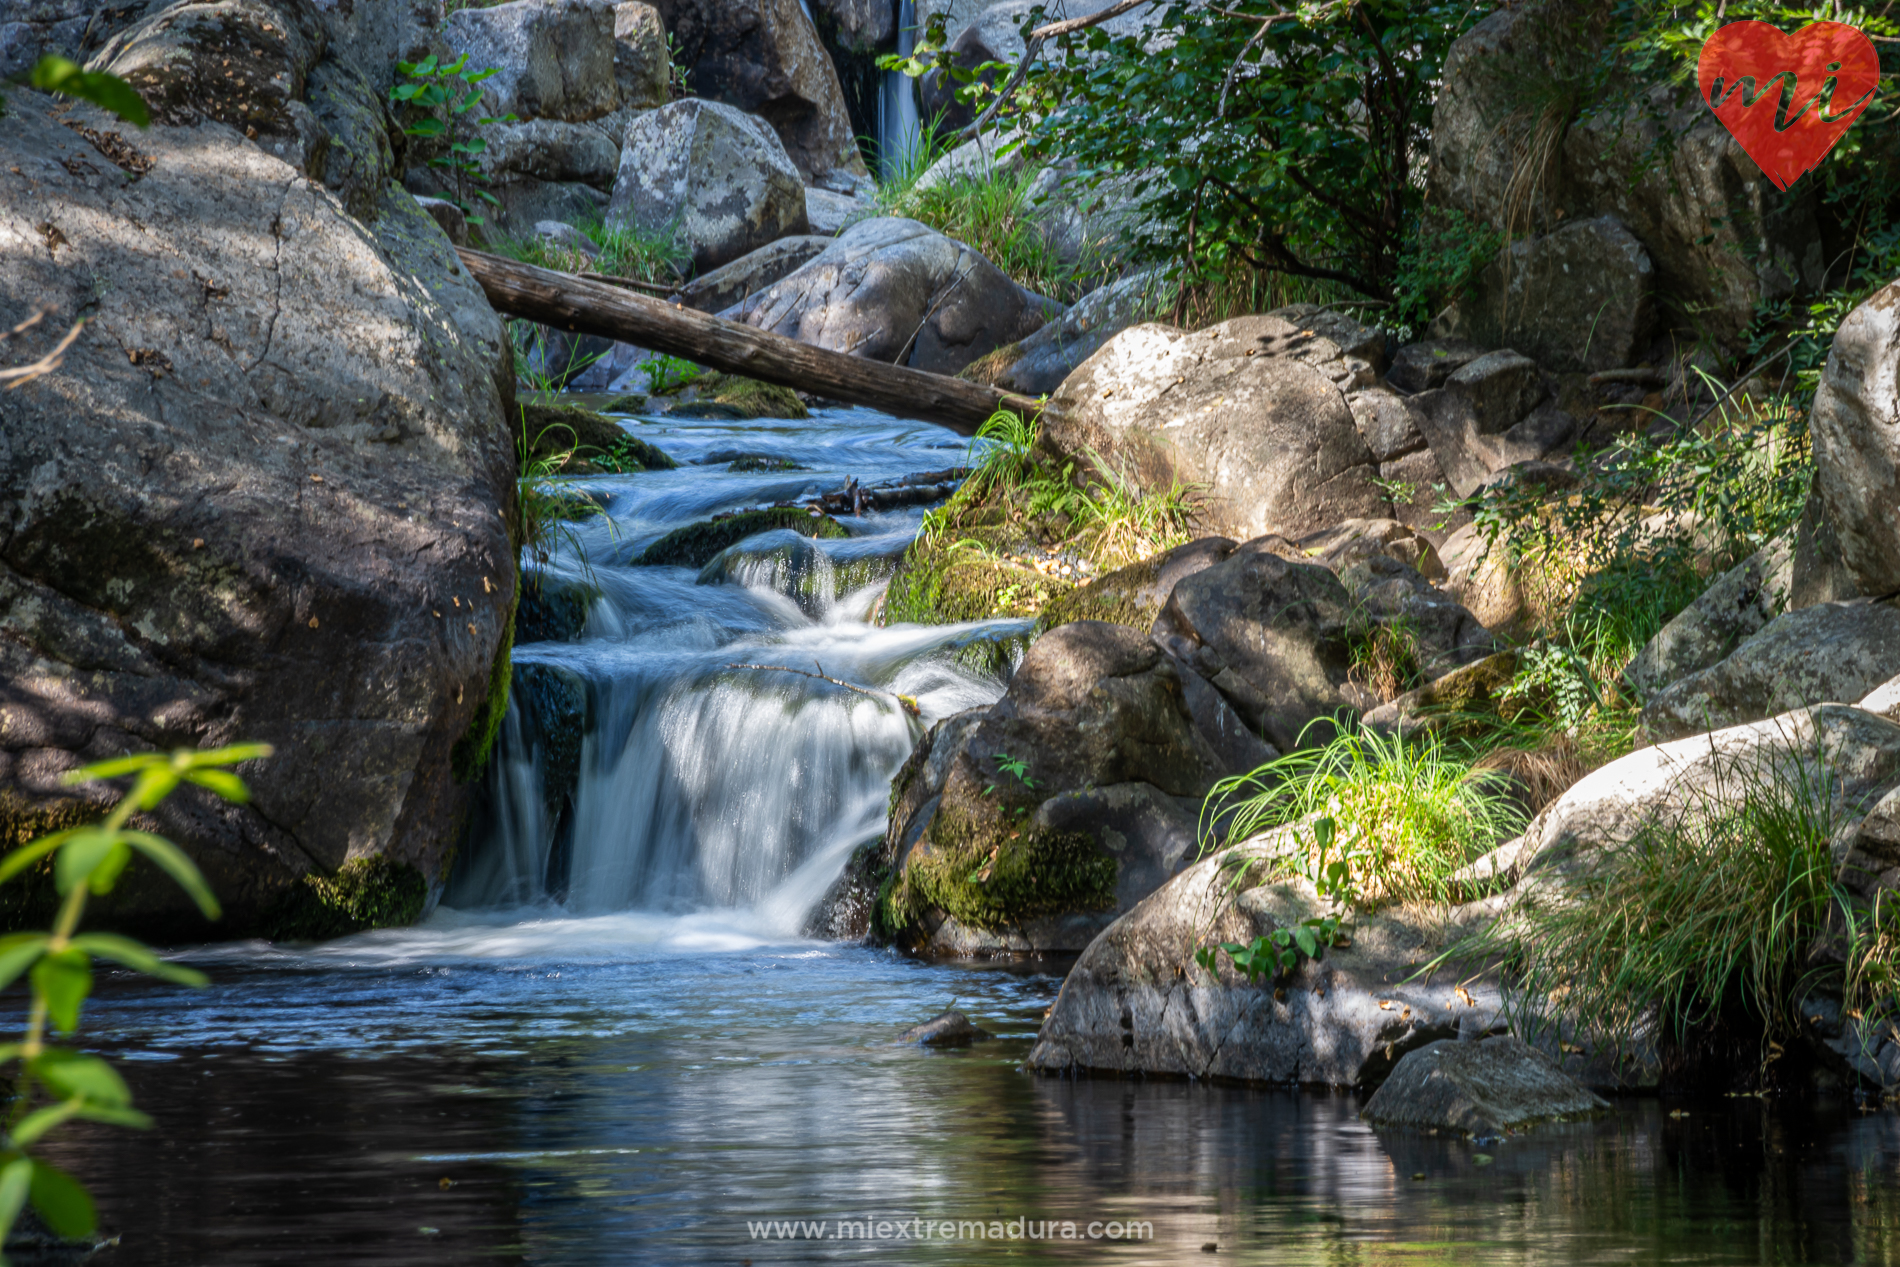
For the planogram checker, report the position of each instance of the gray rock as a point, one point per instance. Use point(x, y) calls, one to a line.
point(1385, 422)
point(1482, 1088)
point(1486, 418)
point(894, 290)
point(720, 179)
point(765, 57)
point(1354, 339)
point(1421, 366)
point(566, 237)
point(1356, 540)
point(946, 1029)
point(1884, 700)
point(1137, 1002)
point(555, 58)
point(234, 508)
point(1390, 592)
point(360, 160)
point(642, 74)
point(831, 213)
point(1576, 299)
point(526, 203)
point(1102, 811)
point(1250, 411)
point(1827, 653)
point(449, 217)
point(1856, 426)
point(1703, 634)
point(1036, 366)
point(862, 25)
point(548, 150)
point(730, 283)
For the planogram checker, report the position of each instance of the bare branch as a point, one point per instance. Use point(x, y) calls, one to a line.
point(907, 703)
point(1069, 26)
point(20, 376)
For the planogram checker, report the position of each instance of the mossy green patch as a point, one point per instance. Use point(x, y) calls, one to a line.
point(29, 900)
point(1121, 597)
point(374, 892)
point(597, 442)
point(751, 398)
point(968, 562)
point(993, 875)
point(469, 757)
point(695, 545)
point(988, 367)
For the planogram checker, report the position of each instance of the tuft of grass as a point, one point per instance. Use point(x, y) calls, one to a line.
point(1406, 813)
point(1382, 657)
point(625, 251)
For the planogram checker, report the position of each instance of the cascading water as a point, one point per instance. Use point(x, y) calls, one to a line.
point(722, 765)
point(899, 124)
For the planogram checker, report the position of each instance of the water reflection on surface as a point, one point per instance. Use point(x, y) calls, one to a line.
point(636, 1088)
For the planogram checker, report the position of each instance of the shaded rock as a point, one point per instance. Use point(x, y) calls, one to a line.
point(448, 218)
point(1421, 366)
point(750, 273)
point(1827, 653)
point(946, 1029)
point(1483, 1088)
point(717, 177)
point(1356, 540)
point(863, 24)
point(695, 545)
point(1386, 423)
point(831, 213)
point(845, 911)
point(1705, 632)
point(1029, 825)
point(1354, 339)
point(551, 610)
point(1439, 633)
point(1485, 419)
point(360, 159)
point(1134, 595)
point(589, 436)
point(764, 57)
point(642, 74)
point(548, 150)
point(1419, 487)
point(1251, 411)
point(1137, 1002)
point(1037, 365)
point(1856, 427)
point(1577, 299)
point(893, 290)
point(233, 510)
point(1471, 688)
point(554, 58)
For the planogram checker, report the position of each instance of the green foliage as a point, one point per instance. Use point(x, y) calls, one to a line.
point(1401, 814)
point(1716, 908)
point(536, 367)
point(54, 1084)
point(107, 91)
point(669, 374)
point(1282, 145)
point(1278, 952)
point(625, 250)
point(444, 96)
point(1440, 257)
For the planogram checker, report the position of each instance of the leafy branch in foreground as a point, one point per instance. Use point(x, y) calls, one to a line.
point(58, 1084)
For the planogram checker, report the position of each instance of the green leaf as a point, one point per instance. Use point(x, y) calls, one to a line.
point(155, 783)
point(113, 769)
point(37, 1123)
point(230, 754)
point(56, 74)
point(123, 950)
point(16, 1181)
point(63, 1202)
point(26, 855)
point(223, 782)
point(405, 92)
point(456, 69)
point(1303, 936)
point(63, 980)
point(68, 1073)
point(107, 873)
point(129, 1118)
point(79, 856)
point(480, 75)
point(426, 128)
point(18, 953)
point(424, 68)
point(173, 862)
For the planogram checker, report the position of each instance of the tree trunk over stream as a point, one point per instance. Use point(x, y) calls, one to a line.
point(569, 303)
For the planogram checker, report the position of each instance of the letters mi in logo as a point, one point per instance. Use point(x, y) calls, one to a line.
point(1788, 98)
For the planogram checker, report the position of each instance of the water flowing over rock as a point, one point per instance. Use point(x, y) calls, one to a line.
point(764, 57)
point(264, 498)
point(719, 178)
point(1856, 426)
point(1251, 411)
point(894, 290)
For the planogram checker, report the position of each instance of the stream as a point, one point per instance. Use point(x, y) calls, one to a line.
point(614, 1044)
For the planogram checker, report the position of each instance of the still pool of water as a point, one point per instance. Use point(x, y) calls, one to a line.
point(530, 1088)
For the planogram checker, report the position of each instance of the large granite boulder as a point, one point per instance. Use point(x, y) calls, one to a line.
point(642, 72)
point(1138, 1002)
point(895, 290)
point(1038, 365)
point(1826, 653)
point(1579, 298)
point(1491, 414)
point(1481, 1089)
point(1703, 634)
point(732, 283)
point(266, 496)
point(1032, 824)
point(1720, 236)
point(719, 178)
point(1856, 426)
point(764, 57)
point(1251, 413)
point(554, 59)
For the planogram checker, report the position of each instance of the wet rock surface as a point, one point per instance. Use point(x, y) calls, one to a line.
point(1484, 1088)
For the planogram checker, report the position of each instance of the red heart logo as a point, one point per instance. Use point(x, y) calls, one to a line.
point(1788, 98)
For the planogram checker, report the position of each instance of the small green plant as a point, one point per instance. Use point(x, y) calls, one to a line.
point(55, 1084)
point(1444, 252)
point(546, 504)
point(668, 374)
point(623, 251)
point(535, 364)
point(108, 91)
point(448, 94)
point(1280, 951)
point(1402, 814)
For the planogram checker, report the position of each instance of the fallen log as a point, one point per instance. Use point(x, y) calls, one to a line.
point(588, 307)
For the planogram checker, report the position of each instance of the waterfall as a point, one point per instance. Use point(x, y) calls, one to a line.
point(899, 125)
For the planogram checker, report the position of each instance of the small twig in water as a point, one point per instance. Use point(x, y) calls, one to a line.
point(906, 702)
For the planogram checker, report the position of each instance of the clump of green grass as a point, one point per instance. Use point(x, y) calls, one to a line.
point(1403, 814)
point(624, 251)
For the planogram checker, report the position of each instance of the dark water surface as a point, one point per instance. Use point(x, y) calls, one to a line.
point(635, 1089)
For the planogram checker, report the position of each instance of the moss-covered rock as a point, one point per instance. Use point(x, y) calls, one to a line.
point(552, 610)
point(374, 892)
point(555, 701)
point(760, 462)
point(597, 442)
point(1134, 595)
point(695, 545)
point(469, 757)
point(965, 564)
point(964, 870)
